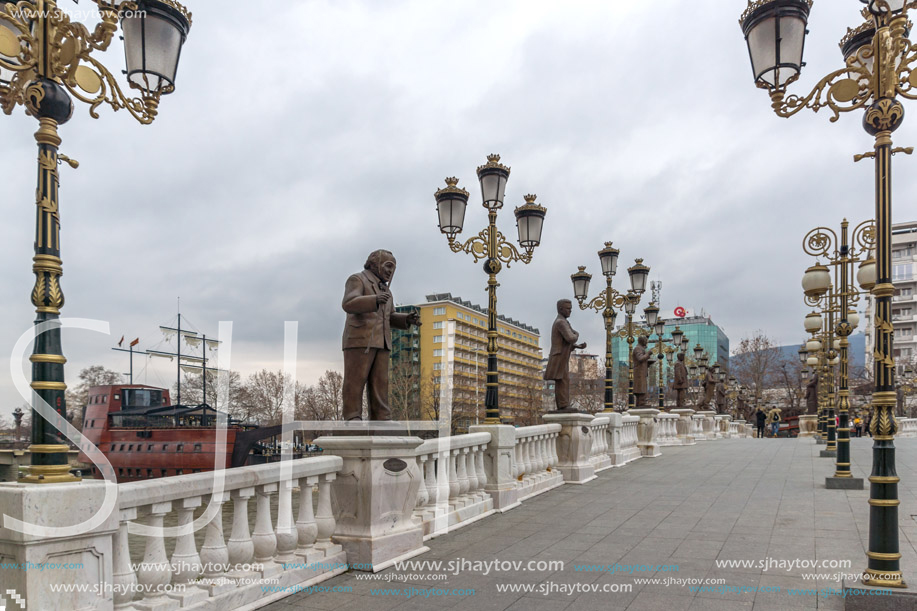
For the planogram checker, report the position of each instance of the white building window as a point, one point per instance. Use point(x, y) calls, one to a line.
point(438, 325)
point(437, 366)
point(438, 352)
point(439, 311)
point(437, 339)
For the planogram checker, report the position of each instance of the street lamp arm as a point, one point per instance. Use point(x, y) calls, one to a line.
point(508, 253)
point(476, 246)
point(821, 242)
point(101, 82)
point(864, 236)
point(837, 91)
point(600, 302)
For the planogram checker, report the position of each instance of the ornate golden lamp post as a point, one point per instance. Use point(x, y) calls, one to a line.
point(628, 332)
point(491, 246)
point(659, 348)
point(607, 302)
point(879, 67)
point(841, 253)
point(45, 59)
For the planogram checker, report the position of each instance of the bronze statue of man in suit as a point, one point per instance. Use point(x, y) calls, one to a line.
point(563, 341)
point(641, 366)
point(368, 336)
point(709, 389)
point(680, 385)
point(812, 395)
point(720, 398)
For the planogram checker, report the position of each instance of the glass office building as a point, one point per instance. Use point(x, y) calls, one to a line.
point(698, 329)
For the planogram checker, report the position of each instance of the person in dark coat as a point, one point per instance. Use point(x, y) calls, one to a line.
point(563, 341)
point(760, 419)
point(367, 339)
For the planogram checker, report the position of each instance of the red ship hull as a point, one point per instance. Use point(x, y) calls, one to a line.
point(178, 443)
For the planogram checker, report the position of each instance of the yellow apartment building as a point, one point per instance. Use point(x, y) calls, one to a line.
point(448, 355)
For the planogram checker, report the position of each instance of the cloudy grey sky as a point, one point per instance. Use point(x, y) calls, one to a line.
point(304, 134)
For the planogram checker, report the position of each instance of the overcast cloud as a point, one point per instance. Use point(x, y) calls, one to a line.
point(303, 135)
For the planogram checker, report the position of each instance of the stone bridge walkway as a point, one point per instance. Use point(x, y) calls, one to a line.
point(730, 499)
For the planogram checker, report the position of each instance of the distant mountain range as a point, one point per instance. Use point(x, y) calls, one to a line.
point(857, 350)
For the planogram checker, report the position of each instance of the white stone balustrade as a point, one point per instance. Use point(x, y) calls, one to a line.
point(907, 427)
point(684, 426)
point(599, 432)
point(647, 431)
point(629, 448)
point(453, 487)
point(698, 422)
point(709, 424)
point(539, 441)
point(667, 429)
point(218, 576)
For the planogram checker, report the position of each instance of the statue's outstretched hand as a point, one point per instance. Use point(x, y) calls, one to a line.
point(580, 346)
point(413, 319)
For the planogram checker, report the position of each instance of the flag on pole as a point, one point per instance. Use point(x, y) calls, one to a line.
point(121, 341)
point(135, 342)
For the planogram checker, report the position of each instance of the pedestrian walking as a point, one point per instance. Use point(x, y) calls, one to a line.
point(858, 426)
point(760, 419)
point(773, 417)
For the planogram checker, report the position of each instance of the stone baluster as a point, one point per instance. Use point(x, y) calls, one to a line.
point(443, 487)
point(461, 472)
point(155, 571)
point(286, 530)
point(472, 476)
point(324, 518)
point(186, 562)
point(240, 547)
point(430, 479)
point(423, 495)
point(306, 528)
point(482, 473)
point(264, 539)
point(123, 575)
point(527, 458)
point(453, 479)
point(214, 554)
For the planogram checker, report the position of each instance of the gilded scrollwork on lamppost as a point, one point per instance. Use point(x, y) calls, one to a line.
point(838, 297)
point(661, 351)
point(491, 246)
point(880, 66)
point(46, 60)
point(607, 303)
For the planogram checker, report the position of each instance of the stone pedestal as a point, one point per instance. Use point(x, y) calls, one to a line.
point(685, 425)
point(808, 425)
point(844, 483)
point(574, 447)
point(89, 554)
point(709, 428)
point(646, 431)
point(373, 499)
point(498, 464)
point(739, 431)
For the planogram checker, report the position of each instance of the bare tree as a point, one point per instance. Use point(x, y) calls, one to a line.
point(587, 385)
point(264, 394)
point(755, 363)
point(404, 391)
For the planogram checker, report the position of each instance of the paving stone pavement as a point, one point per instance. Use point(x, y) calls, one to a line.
point(730, 499)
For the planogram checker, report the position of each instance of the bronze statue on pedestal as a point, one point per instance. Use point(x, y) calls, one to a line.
point(367, 338)
point(563, 341)
point(709, 388)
